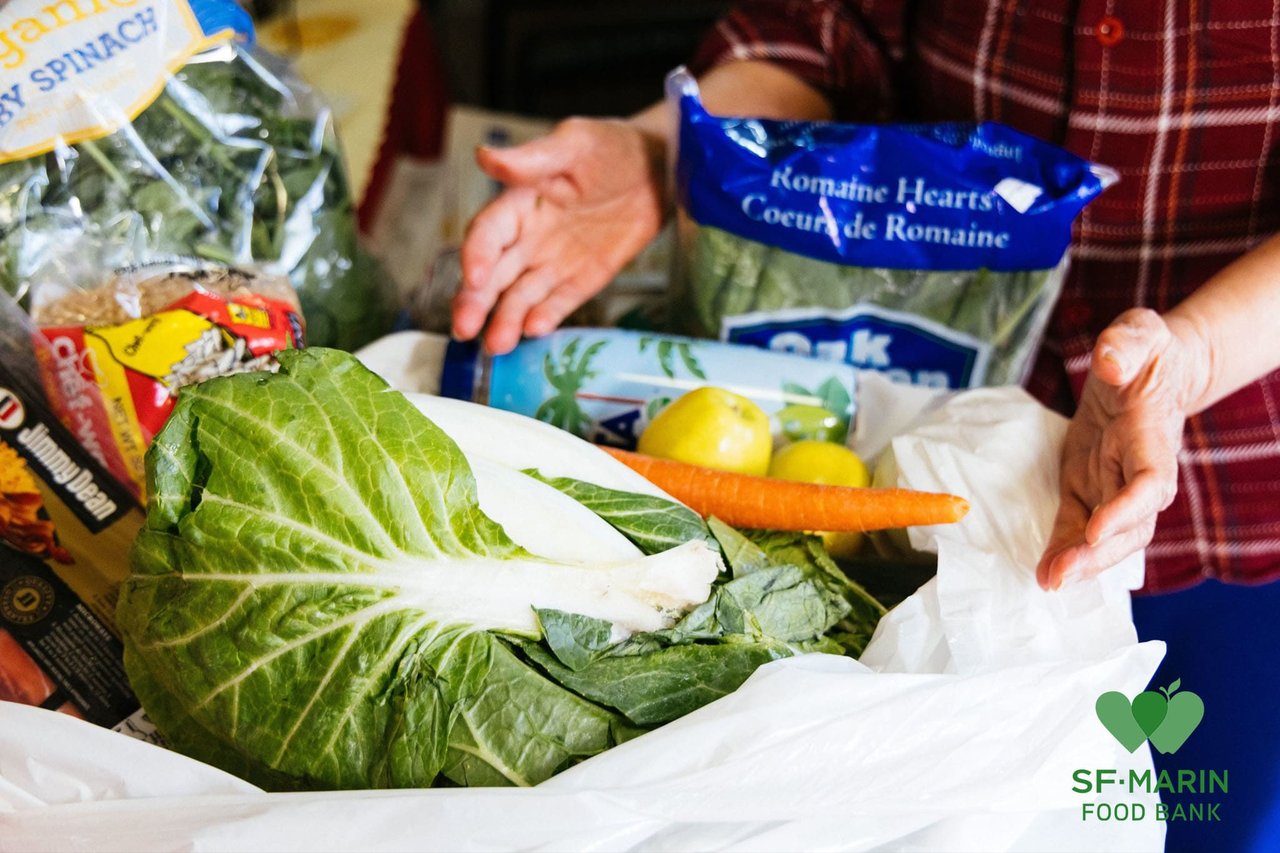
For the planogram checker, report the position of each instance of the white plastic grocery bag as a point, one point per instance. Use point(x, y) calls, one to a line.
point(960, 729)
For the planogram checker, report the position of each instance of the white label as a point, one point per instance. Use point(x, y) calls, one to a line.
point(138, 725)
point(72, 70)
point(1019, 194)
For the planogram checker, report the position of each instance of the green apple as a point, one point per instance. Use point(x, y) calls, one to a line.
point(799, 422)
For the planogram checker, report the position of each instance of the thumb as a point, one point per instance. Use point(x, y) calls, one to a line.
point(527, 164)
point(1128, 345)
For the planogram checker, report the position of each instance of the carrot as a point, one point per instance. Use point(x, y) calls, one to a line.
point(742, 500)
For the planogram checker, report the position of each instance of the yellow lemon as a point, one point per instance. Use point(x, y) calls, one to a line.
point(714, 428)
point(827, 464)
point(823, 462)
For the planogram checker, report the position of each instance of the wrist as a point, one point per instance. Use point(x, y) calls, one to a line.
point(656, 126)
point(1196, 353)
point(656, 122)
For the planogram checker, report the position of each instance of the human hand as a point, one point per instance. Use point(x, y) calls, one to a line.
point(579, 204)
point(1119, 464)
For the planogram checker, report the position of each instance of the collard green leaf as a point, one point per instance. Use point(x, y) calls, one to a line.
point(665, 683)
point(743, 555)
point(807, 552)
point(769, 612)
point(778, 603)
point(575, 640)
point(653, 524)
point(762, 550)
point(519, 720)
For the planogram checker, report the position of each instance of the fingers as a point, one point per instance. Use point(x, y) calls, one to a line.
point(474, 301)
point(559, 304)
point(530, 171)
point(1123, 464)
point(527, 164)
point(470, 310)
point(543, 220)
point(1080, 560)
point(1068, 530)
point(1137, 504)
point(1128, 345)
point(536, 305)
point(1083, 544)
point(508, 322)
point(492, 235)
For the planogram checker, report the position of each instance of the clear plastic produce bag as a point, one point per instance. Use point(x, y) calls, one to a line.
point(133, 134)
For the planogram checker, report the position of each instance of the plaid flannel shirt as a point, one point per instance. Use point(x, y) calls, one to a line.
point(1182, 98)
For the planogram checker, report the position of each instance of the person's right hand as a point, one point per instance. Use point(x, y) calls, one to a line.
point(579, 204)
point(1119, 466)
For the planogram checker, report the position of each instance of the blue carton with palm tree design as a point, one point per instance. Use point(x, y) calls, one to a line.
point(605, 385)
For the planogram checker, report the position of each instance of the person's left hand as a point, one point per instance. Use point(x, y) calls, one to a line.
point(1119, 464)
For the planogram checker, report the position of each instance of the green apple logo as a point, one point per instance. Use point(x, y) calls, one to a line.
point(1167, 720)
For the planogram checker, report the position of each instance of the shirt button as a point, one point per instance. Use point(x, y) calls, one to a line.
point(1110, 31)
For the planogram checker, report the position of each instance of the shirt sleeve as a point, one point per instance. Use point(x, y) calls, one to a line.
point(849, 50)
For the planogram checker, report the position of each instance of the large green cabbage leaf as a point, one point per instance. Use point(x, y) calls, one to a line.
point(317, 600)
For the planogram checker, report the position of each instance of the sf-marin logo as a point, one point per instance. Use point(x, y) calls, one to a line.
point(1166, 718)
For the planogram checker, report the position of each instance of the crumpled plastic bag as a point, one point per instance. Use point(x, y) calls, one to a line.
point(999, 448)
point(958, 730)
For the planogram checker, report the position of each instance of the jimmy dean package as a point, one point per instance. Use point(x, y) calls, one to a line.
point(934, 253)
point(66, 527)
point(133, 131)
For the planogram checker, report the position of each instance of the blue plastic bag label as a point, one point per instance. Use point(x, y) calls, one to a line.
point(903, 346)
point(928, 196)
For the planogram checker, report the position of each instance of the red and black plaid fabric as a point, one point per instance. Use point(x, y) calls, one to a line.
point(1182, 97)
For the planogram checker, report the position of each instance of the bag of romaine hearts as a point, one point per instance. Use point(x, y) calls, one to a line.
point(932, 252)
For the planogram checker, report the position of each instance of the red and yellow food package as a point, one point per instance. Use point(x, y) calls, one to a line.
point(119, 354)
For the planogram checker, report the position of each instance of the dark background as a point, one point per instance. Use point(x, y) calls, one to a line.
point(553, 58)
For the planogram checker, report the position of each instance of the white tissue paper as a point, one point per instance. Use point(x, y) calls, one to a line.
point(959, 729)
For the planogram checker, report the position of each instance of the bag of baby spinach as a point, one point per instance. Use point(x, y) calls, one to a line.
point(136, 133)
point(934, 253)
